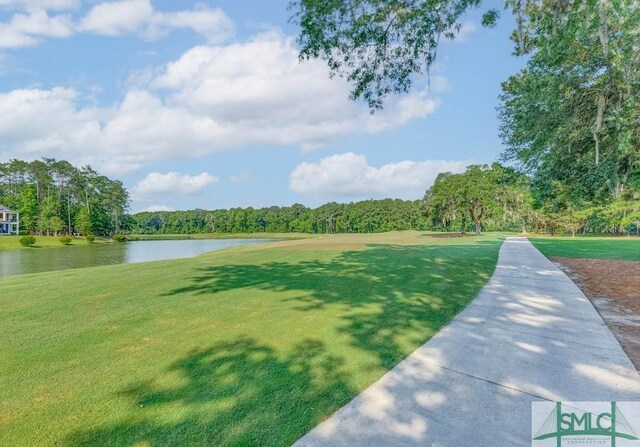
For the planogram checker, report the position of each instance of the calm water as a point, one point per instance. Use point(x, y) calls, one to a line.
point(34, 260)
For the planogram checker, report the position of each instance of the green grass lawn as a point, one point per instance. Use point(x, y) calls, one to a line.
point(627, 248)
point(252, 345)
point(156, 237)
point(11, 242)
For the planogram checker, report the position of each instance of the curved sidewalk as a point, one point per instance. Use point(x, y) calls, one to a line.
point(530, 335)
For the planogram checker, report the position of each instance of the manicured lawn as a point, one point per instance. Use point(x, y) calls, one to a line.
point(595, 248)
point(156, 237)
point(11, 242)
point(248, 346)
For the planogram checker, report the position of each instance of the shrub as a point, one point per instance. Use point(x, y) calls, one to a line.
point(65, 240)
point(27, 241)
point(90, 238)
point(119, 238)
point(24, 232)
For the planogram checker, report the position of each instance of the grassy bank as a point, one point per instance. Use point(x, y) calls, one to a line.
point(12, 242)
point(625, 248)
point(254, 345)
point(163, 237)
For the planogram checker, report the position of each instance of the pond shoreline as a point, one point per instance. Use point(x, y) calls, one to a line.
point(29, 260)
point(11, 242)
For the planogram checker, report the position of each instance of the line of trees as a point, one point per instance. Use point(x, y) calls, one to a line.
point(55, 197)
point(368, 216)
point(498, 198)
point(483, 198)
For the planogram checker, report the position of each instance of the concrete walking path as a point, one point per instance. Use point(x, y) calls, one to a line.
point(530, 335)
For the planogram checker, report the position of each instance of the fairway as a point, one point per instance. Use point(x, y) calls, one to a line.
point(252, 345)
point(625, 248)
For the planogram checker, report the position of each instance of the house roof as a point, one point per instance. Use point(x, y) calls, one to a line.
point(4, 209)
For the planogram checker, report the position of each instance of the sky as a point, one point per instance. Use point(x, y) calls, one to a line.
point(204, 104)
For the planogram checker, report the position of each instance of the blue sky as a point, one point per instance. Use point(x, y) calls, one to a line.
point(204, 104)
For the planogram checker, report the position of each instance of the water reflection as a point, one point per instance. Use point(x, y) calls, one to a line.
point(34, 260)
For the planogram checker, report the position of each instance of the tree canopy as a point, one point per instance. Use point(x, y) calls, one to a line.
point(482, 193)
point(380, 45)
point(570, 118)
point(54, 197)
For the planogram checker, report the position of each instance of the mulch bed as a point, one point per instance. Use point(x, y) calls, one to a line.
point(614, 289)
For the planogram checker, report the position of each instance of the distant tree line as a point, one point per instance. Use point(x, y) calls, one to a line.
point(369, 216)
point(55, 197)
point(483, 198)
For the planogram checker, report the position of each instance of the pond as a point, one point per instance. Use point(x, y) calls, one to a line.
point(34, 260)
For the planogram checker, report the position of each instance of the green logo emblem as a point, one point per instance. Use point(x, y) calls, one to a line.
point(585, 427)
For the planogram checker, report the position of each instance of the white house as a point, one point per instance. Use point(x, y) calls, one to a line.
point(9, 221)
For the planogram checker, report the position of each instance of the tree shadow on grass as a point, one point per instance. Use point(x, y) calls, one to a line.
point(388, 301)
point(231, 393)
point(390, 298)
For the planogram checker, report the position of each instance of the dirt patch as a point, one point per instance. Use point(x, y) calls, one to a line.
point(614, 289)
point(447, 235)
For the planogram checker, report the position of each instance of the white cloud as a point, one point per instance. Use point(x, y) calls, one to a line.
point(117, 18)
point(24, 30)
point(155, 208)
point(258, 92)
point(36, 122)
point(213, 24)
point(157, 185)
point(128, 16)
point(212, 99)
point(33, 23)
point(350, 175)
